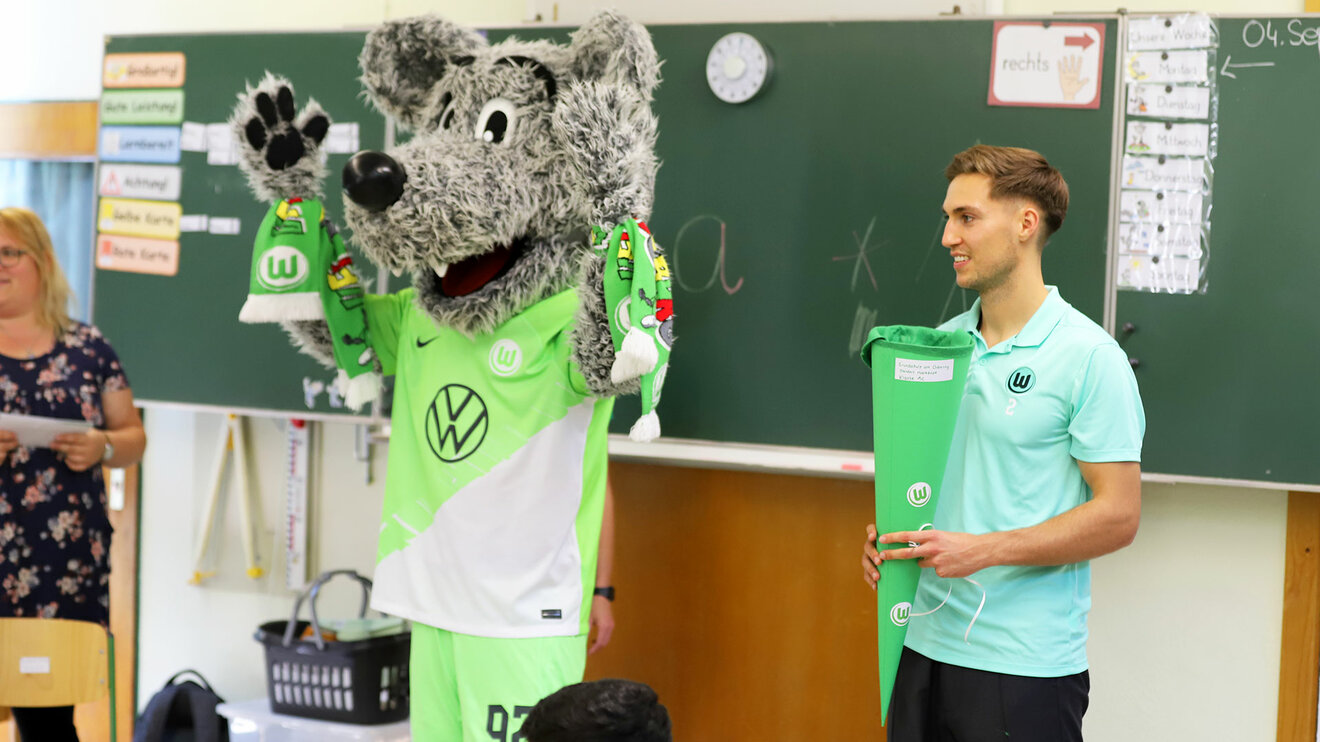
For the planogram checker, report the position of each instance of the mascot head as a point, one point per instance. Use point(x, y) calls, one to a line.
point(516, 150)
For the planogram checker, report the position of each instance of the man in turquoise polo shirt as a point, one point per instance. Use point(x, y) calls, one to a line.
point(1043, 476)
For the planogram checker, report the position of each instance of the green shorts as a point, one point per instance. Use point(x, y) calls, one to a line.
point(478, 689)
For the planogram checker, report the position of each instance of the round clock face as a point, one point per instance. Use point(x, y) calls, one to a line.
point(737, 68)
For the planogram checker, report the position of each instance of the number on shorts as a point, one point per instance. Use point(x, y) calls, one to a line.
point(497, 722)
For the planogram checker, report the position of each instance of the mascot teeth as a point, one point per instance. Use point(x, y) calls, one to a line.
point(440, 268)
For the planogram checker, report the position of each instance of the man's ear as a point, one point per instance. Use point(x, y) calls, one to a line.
point(402, 61)
point(614, 50)
point(1029, 222)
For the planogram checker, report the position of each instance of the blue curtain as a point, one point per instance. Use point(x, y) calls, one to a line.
point(62, 194)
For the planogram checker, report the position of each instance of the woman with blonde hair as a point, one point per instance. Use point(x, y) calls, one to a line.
point(54, 530)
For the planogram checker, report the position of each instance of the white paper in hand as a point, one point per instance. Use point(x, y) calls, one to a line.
point(39, 432)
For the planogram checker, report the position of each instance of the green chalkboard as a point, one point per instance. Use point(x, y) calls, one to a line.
point(179, 336)
point(794, 222)
point(765, 207)
point(1229, 377)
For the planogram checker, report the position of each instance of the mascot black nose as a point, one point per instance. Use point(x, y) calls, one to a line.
point(373, 180)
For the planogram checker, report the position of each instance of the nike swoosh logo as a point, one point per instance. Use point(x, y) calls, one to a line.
point(421, 344)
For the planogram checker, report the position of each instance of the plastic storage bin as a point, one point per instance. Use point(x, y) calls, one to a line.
point(357, 682)
point(253, 721)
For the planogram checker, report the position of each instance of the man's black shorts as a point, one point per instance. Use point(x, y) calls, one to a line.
point(935, 702)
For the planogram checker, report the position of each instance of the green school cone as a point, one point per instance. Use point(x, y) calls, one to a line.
point(917, 380)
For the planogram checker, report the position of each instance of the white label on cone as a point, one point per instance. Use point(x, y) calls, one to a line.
point(899, 613)
point(34, 665)
point(907, 369)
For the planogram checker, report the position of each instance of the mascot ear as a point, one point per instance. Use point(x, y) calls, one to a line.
point(613, 50)
point(402, 61)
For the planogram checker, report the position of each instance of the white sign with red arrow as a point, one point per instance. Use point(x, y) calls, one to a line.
point(1053, 65)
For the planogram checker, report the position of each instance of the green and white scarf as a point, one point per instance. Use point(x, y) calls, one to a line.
point(640, 302)
point(301, 271)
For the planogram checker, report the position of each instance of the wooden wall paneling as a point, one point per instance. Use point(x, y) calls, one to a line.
point(1299, 655)
point(37, 131)
point(741, 601)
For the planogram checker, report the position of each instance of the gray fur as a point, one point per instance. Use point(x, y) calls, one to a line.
point(312, 337)
point(593, 350)
point(616, 174)
point(613, 50)
point(306, 179)
point(579, 151)
point(402, 61)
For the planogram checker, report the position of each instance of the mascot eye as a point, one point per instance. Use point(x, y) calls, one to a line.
point(496, 121)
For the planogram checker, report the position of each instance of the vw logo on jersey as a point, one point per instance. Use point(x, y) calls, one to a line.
point(282, 268)
point(899, 613)
point(505, 357)
point(918, 494)
point(456, 423)
point(1021, 380)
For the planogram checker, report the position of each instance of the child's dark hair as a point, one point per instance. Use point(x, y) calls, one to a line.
point(599, 711)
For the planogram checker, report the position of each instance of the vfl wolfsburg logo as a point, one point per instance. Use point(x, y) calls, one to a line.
point(1021, 380)
point(899, 613)
point(282, 268)
point(918, 494)
point(505, 357)
point(456, 423)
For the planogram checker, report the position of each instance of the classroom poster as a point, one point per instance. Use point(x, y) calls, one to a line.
point(1053, 66)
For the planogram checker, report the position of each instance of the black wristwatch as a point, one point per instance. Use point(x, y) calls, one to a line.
point(605, 592)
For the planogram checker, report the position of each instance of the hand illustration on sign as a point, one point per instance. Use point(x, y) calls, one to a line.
point(1070, 76)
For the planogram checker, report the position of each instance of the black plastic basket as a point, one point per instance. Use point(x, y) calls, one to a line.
point(358, 682)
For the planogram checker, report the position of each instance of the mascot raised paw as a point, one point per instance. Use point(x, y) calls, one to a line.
point(518, 208)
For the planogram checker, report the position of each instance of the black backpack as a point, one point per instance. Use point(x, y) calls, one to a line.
point(182, 712)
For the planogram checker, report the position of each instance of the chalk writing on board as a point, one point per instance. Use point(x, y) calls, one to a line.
point(312, 389)
point(721, 257)
point(863, 321)
point(1258, 33)
point(860, 259)
point(934, 242)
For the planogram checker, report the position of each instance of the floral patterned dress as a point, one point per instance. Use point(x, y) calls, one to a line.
point(54, 531)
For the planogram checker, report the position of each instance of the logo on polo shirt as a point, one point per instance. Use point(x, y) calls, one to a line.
point(1021, 380)
point(899, 614)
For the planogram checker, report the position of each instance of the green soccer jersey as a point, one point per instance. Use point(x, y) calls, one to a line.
point(496, 480)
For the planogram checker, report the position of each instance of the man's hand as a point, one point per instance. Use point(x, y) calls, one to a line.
point(602, 620)
point(870, 558)
point(949, 553)
point(80, 451)
point(8, 442)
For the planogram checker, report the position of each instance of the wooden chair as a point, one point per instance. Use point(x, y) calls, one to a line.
point(56, 662)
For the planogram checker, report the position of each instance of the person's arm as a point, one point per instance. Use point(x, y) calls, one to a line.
point(602, 612)
point(123, 430)
point(1106, 523)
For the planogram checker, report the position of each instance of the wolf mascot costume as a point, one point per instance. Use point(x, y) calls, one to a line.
point(518, 207)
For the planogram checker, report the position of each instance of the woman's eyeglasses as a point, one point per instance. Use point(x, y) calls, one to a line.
point(9, 256)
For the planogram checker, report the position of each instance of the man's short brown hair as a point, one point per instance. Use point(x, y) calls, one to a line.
point(1016, 172)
